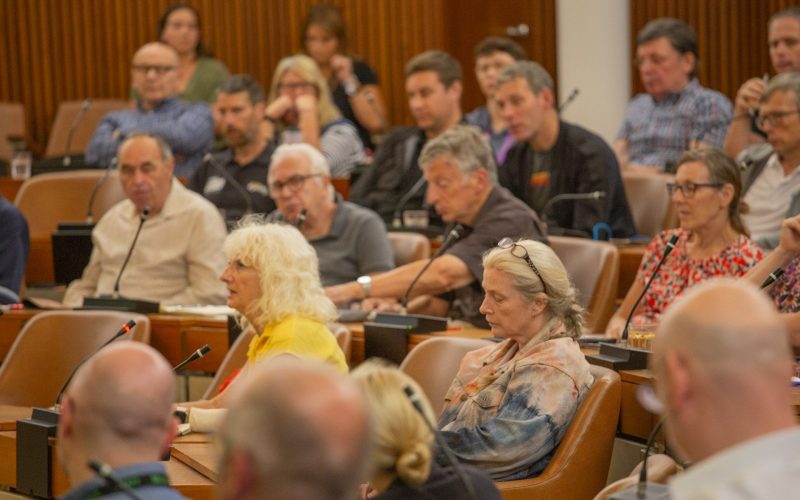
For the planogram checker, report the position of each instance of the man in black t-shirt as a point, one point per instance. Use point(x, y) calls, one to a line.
point(459, 168)
point(235, 179)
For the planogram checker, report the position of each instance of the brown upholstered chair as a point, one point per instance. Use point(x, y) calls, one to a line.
point(12, 124)
point(84, 129)
point(48, 199)
point(235, 359)
point(51, 345)
point(433, 364)
point(659, 469)
point(344, 337)
point(579, 466)
point(593, 267)
point(409, 247)
point(650, 203)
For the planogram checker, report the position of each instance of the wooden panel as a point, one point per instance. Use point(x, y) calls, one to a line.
point(731, 36)
point(56, 50)
point(470, 21)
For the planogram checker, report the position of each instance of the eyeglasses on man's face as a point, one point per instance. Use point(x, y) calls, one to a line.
point(294, 183)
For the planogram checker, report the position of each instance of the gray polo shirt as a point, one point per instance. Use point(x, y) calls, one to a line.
point(355, 245)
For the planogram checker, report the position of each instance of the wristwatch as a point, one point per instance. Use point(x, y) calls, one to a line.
point(366, 284)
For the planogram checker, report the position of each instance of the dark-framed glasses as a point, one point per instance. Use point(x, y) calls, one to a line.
point(774, 119)
point(294, 183)
point(688, 189)
point(147, 68)
point(520, 251)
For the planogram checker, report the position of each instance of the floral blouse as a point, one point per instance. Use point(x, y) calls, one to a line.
point(680, 271)
point(510, 405)
point(786, 292)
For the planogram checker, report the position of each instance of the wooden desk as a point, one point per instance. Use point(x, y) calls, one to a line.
point(637, 422)
point(182, 477)
point(357, 343)
point(173, 335)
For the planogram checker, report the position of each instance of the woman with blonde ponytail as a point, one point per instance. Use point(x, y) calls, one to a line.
point(403, 442)
point(511, 403)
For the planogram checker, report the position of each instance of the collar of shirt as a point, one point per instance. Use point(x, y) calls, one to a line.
point(165, 105)
point(728, 464)
point(671, 99)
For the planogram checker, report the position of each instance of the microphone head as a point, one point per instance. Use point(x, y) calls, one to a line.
point(145, 213)
point(205, 349)
point(86, 103)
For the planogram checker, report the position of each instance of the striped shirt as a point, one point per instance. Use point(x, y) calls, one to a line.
point(658, 132)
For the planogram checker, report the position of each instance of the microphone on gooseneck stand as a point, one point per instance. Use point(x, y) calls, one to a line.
point(772, 278)
point(622, 357)
point(667, 250)
point(397, 219)
point(415, 402)
point(126, 328)
point(107, 474)
point(300, 218)
point(71, 132)
point(454, 235)
point(194, 356)
point(644, 490)
point(142, 218)
point(571, 97)
point(248, 201)
point(90, 207)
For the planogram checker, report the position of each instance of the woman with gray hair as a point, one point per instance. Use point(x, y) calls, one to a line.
point(510, 404)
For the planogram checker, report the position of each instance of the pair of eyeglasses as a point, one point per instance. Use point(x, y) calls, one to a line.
point(289, 87)
point(294, 183)
point(146, 68)
point(690, 188)
point(520, 251)
point(774, 119)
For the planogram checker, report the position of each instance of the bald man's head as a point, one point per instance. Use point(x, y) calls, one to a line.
point(722, 362)
point(726, 325)
point(121, 399)
point(154, 73)
point(297, 429)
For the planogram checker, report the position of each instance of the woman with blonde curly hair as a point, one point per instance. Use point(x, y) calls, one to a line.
point(402, 456)
point(273, 282)
point(510, 404)
point(300, 101)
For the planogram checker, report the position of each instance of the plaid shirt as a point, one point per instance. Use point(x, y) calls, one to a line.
point(659, 131)
point(187, 128)
point(510, 405)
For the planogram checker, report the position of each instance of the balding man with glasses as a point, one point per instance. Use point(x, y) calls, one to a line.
point(187, 128)
point(771, 182)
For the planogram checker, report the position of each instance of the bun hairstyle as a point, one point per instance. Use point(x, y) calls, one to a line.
point(402, 440)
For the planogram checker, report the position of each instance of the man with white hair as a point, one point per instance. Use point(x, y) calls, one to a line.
point(117, 411)
point(350, 240)
point(723, 365)
point(297, 429)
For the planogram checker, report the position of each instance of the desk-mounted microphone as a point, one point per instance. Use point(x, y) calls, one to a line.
point(772, 278)
point(71, 132)
point(454, 235)
point(194, 356)
point(142, 218)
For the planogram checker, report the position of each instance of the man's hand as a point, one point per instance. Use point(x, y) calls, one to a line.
point(748, 96)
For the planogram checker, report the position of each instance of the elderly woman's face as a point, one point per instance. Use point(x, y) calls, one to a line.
point(244, 285)
point(506, 311)
point(698, 205)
